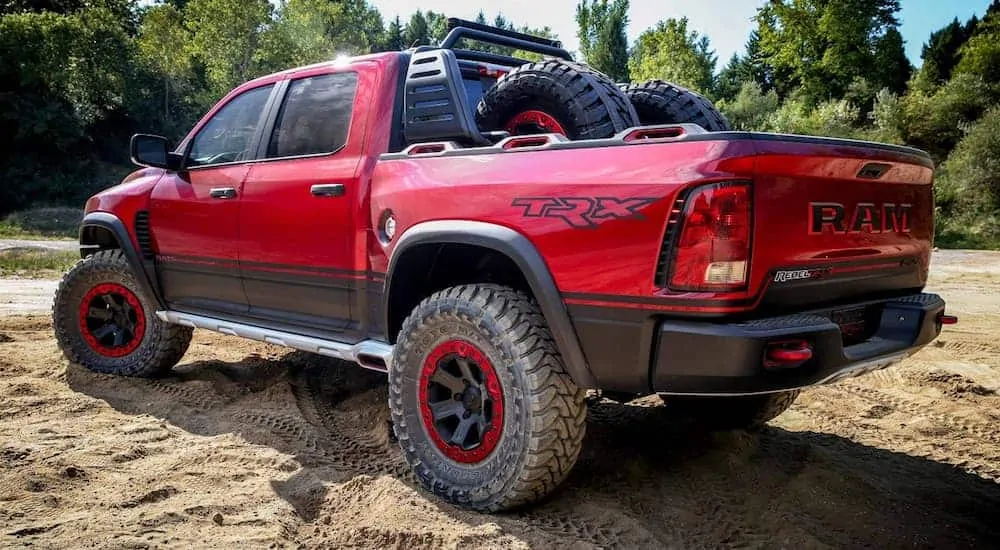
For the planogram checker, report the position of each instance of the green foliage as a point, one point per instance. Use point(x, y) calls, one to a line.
point(887, 118)
point(941, 51)
point(226, 38)
point(36, 262)
point(836, 118)
point(601, 29)
point(753, 66)
point(394, 36)
point(669, 51)
point(968, 188)
point(45, 222)
point(936, 120)
point(980, 56)
point(751, 109)
point(824, 45)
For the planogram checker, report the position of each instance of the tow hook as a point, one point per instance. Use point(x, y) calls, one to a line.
point(787, 354)
point(943, 319)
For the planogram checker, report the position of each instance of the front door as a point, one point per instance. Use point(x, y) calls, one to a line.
point(296, 212)
point(194, 213)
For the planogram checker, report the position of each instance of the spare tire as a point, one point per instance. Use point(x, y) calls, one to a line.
point(659, 102)
point(556, 96)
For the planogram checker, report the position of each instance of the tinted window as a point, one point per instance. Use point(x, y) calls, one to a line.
point(228, 135)
point(315, 116)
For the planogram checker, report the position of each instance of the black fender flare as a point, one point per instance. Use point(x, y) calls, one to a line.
point(114, 224)
point(518, 248)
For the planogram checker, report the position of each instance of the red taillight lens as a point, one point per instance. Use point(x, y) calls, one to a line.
point(713, 251)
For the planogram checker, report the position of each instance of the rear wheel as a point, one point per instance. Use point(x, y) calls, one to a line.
point(730, 413)
point(556, 96)
point(482, 406)
point(104, 322)
point(659, 102)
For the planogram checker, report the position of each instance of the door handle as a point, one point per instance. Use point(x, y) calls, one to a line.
point(222, 193)
point(327, 190)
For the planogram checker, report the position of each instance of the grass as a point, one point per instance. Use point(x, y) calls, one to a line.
point(36, 263)
point(42, 223)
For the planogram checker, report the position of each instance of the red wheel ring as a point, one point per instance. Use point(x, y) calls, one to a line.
point(535, 121)
point(112, 320)
point(464, 421)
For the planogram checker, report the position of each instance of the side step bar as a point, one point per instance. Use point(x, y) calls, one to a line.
point(370, 354)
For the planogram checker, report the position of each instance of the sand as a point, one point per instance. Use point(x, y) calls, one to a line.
point(251, 446)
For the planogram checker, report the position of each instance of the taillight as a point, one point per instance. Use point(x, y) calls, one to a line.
point(713, 251)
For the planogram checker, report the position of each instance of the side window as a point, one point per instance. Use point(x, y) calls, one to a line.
point(228, 135)
point(315, 116)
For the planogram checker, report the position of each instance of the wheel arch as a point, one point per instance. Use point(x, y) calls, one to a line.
point(106, 231)
point(515, 260)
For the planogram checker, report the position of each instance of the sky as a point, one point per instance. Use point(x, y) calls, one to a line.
point(726, 22)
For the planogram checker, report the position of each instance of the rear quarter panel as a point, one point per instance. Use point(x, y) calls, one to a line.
point(610, 250)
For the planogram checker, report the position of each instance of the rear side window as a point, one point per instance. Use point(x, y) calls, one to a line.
point(315, 116)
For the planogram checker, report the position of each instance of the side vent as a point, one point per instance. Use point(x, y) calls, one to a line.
point(143, 236)
point(668, 238)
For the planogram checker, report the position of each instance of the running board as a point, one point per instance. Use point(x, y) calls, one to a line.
point(370, 354)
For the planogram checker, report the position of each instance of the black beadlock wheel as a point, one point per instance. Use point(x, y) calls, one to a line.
point(482, 406)
point(659, 102)
point(749, 412)
point(556, 96)
point(103, 321)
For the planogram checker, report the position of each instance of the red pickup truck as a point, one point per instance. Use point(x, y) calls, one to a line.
point(354, 209)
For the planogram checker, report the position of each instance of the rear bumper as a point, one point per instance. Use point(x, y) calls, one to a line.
point(705, 358)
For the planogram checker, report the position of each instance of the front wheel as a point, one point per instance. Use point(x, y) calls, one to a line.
point(482, 406)
point(104, 321)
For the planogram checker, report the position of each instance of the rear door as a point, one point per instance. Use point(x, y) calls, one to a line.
point(299, 203)
point(194, 213)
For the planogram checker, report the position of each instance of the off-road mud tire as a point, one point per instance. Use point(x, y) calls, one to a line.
point(658, 102)
point(162, 344)
point(584, 102)
point(543, 410)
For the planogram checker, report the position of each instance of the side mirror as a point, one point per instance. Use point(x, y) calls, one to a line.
point(153, 151)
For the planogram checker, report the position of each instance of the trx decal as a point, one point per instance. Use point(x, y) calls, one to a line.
point(582, 211)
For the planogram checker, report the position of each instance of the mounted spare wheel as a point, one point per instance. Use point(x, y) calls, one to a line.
point(556, 96)
point(659, 102)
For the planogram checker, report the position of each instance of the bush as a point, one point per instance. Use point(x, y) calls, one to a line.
point(832, 119)
point(967, 190)
point(936, 121)
point(42, 222)
point(751, 108)
point(887, 118)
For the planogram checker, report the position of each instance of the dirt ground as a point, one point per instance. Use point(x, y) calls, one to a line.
point(248, 446)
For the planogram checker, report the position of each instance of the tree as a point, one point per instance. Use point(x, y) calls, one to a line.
point(731, 78)
point(669, 51)
point(601, 30)
point(940, 53)
point(825, 45)
point(225, 38)
point(394, 36)
point(980, 56)
point(751, 108)
point(417, 33)
point(894, 68)
point(163, 47)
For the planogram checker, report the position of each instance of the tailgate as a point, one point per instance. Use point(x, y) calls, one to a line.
point(838, 220)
